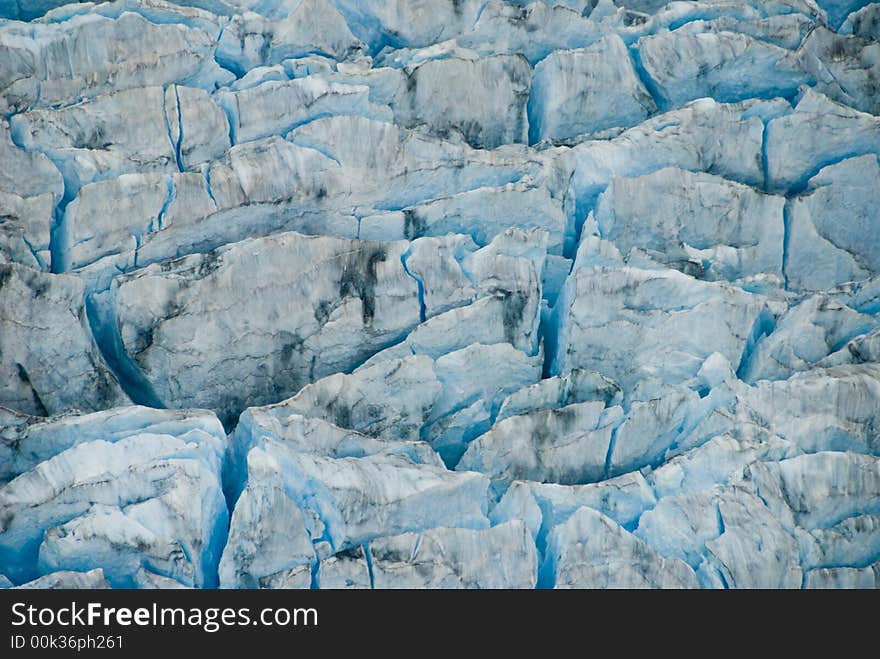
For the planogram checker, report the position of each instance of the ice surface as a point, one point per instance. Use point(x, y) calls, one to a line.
point(88, 55)
point(819, 409)
point(829, 131)
point(488, 111)
point(590, 551)
point(725, 534)
point(648, 329)
point(820, 489)
point(250, 40)
point(566, 445)
point(93, 140)
point(726, 66)
point(91, 580)
point(832, 226)
point(844, 577)
point(545, 505)
point(804, 337)
point(407, 22)
point(119, 506)
point(49, 361)
point(698, 223)
point(442, 401)
point(599, 79)
point(862, 23)
point(535, 29)
point(501, 557)
point(482, 213)
point(297, 506)
point(845, 67)
point(463, 293)
point(30, 186)
point(579, 386)
point(704, 135)
point(275, 107)
point(837, 10)
point(345, 570)
point(362, 296)
point(29, 440)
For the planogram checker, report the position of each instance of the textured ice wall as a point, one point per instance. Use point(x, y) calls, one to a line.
point(371, 293)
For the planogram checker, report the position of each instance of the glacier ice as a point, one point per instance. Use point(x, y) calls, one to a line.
point(25, 234)
point(482, 213)
point(276, 107)
point(844, 67)
point(861, 349)
point(779, 27)
point(157, 310)
point(90, 54)
point(446, 402)
point(838, 10)
point(808, 334)
point(91, 580)
point(719, 461)
point(590, 551)
point(833, 408)
point(543, 506)
point(578, 386)
point(503, 556)
point(250, 40)
point(407, 22)
point(29, 440)
point(93, 140)
point(99, 503)
point(416, 166)
point(702, 224)
point(345, 570)
point(862, 23)
point(724, 139)
point(817, 490)
point(535, 29)
point(565, 445)
point(829, 132)
point(30, 187)
point(854, 541)
point(49, 360)
point(459, 294)
point(830, 239)
point(742, 545)
point(491, 109)
point(648, 329)
point(651, 428)
point(729, 66)
point(844, 577)
point(296, 507)
point(586, 91)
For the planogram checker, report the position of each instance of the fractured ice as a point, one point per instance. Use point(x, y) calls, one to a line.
point(460, 294)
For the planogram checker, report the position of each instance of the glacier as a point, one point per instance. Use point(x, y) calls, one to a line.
point(337, 294)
